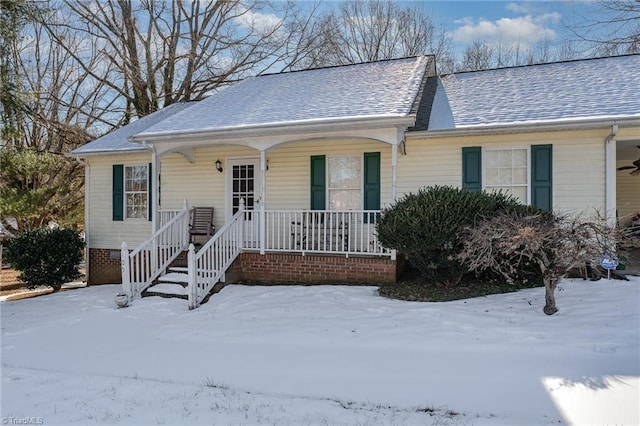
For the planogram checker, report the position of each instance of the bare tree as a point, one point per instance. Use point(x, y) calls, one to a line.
point(483, 55)
point(363, 31)
point(611, 26)
point(169, 51)
point(477, 56)
point(508, 243)
point(60, 108)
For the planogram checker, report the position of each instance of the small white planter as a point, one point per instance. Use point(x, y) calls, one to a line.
point(122, 300)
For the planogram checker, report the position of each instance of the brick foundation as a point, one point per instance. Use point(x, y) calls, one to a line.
point(278, 268)
point(104, 266)
point(273, 268)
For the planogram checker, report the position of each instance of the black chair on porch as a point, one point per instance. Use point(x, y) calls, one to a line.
point(201, 223)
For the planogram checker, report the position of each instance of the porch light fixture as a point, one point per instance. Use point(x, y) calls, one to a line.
point(219, 166)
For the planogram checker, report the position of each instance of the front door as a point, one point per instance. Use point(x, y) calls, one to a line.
point(243, 180)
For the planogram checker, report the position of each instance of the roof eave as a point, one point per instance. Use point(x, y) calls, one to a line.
point(85, 154)
point(279, 128)
point(547, 126)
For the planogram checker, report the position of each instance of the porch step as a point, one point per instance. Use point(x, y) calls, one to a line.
point(167, 290)
point(175, 277)
point(179, 269)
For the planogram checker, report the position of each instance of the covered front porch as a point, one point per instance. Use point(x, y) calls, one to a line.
point(305, 246)
point(307, 196)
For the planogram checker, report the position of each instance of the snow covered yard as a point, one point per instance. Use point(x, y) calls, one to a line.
point(324, 355)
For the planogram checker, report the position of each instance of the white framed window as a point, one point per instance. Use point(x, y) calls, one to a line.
point(344, 182)
point(506, 170)
point(136, 182)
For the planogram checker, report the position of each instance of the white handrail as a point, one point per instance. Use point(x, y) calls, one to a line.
point(147, 261)
point(207, 267)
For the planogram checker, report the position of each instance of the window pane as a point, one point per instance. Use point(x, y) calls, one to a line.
point(136, 185)
point(520, 175)
point(505, 176)
point(345, 199)
point(520, 158)
point(344, 184)
point(506, 171)
point(136, 205)
point(344, 172)
point(504, 158)
point(491, 158)
point(491, 177)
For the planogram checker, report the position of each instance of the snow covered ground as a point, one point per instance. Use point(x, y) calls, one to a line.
point(324, 355)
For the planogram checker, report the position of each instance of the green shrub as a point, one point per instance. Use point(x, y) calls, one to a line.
point(426, 226)
point(46, 256)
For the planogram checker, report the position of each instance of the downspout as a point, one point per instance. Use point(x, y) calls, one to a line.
point(610, 175)
point(87, 182)
point(394, 164)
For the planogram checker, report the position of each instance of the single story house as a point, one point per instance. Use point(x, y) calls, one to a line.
point(298, 165)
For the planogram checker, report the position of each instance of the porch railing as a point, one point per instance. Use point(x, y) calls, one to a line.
point(207, 267)
point(350, 232)
point(304, 231)
point(165, 216)
point(147, 261)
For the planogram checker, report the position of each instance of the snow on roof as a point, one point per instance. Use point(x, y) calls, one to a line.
point(117, 139)
point(385, 89)
point(555, 92)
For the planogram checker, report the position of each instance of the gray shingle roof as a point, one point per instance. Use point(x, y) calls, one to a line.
point(117, 139)
point(556, 92)
point(385, 89)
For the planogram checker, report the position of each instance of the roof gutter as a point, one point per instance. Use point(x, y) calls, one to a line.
point(585, 124)
point(86, 154)
point(279, 128)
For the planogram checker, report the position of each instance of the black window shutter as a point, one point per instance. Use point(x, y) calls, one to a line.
point(117, 199)
point(371, 182)
point(472, 168)
point(542, 176)
point(318, 182)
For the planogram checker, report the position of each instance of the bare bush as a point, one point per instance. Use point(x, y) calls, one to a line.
point(556, 245)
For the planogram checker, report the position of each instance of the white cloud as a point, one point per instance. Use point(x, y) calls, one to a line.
point(521, 8)
point(530, 24)
point(263, 22)
point(524, 29)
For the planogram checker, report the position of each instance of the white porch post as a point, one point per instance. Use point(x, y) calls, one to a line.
point(155, 190)
point(263, 201)
point(125, 269)
point(394, 173)
point(610, 176)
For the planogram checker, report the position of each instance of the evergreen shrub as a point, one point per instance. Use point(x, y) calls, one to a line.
point(427, 226)
point(46, 257)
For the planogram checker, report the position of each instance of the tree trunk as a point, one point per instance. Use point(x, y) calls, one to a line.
point(550, 285)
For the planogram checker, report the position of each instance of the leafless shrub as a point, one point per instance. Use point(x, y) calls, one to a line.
point(557, 244)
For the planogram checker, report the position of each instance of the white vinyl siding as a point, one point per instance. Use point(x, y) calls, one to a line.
point(103, 232)
point(578, 164)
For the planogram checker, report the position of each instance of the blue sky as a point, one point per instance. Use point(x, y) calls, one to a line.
point(527, 22)
point(493, 22)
